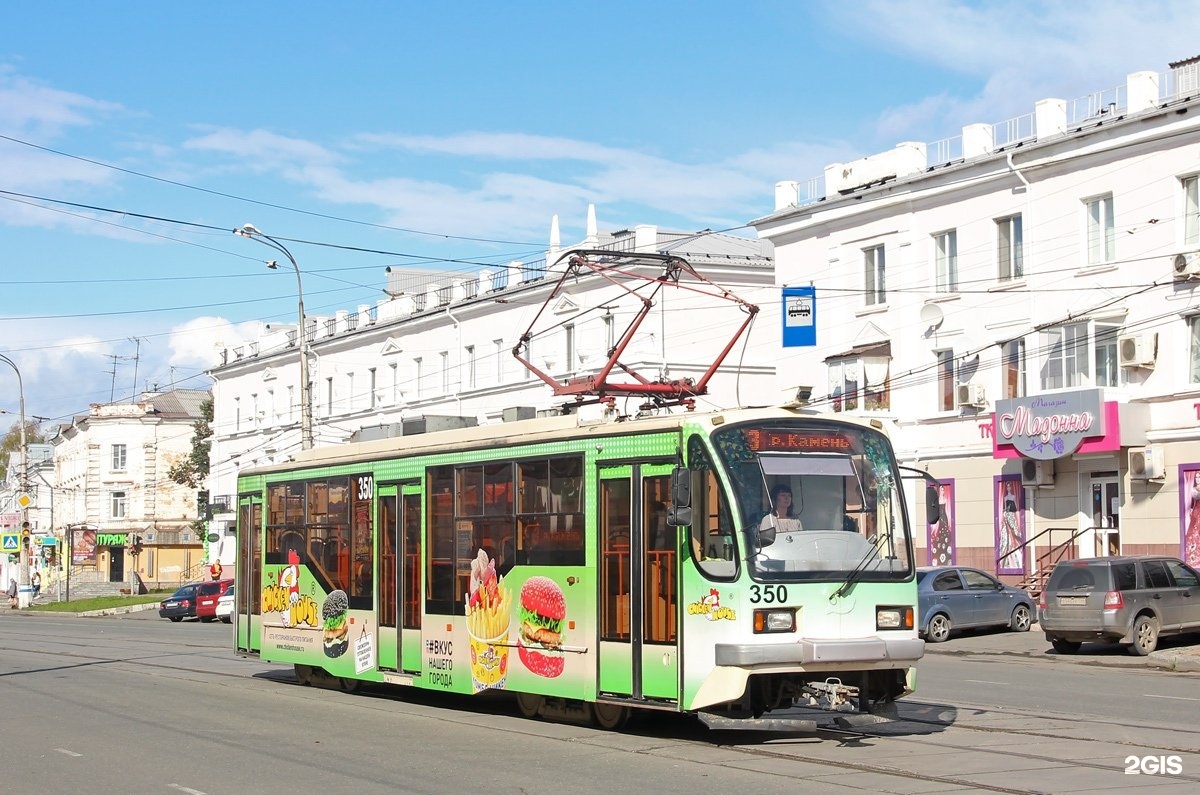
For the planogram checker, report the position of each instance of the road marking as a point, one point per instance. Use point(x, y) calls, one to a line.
point(68, 753)
point(986, 682)
point(1173, 698)
point(188, 790)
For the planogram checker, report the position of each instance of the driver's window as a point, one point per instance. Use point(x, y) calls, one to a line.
point(713, 542)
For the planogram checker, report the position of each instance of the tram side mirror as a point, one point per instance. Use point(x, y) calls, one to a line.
point(766, 533)
point(679, 514)
point(933, 508)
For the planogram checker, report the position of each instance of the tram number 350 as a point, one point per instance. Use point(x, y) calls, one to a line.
point(366, 487)
point(768, 594)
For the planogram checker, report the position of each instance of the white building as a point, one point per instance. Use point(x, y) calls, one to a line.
point(439, 349)
point(111, 487)
point(1023, 303)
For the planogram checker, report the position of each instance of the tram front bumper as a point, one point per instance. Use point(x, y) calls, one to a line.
point(808, 651)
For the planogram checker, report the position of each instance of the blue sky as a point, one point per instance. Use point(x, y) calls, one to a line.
point(446, 132)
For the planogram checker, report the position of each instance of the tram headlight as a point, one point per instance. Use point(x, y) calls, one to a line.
point(900, 617)
point(778, 620)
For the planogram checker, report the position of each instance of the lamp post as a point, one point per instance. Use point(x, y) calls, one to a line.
point(23, 570)
point(306, 429)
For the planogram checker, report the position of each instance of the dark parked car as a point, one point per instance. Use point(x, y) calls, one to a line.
point(207, 596)
point(1130, 600)
point(181, 604)
point(956, 597)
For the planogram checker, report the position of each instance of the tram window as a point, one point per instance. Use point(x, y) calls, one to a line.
point(534, 486)
point(439, 575)
point(713, 543)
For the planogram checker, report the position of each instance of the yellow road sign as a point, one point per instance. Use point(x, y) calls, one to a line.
point(24, 501)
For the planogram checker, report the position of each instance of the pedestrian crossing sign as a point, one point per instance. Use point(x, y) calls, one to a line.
point(11, 542)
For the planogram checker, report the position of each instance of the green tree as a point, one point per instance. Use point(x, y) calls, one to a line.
point(192, 470)
point(11, 443)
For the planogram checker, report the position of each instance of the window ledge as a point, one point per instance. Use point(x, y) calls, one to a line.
point(941, 298)
point(1007, 284)
point(1092, 270)
point(873, 309)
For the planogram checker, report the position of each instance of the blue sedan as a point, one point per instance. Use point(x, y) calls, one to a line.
point(955, 597)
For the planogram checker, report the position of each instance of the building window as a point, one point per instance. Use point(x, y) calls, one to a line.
point(873, 266)
point(371, 387)
point(1010, 248)
point(1108, 368)
point(118, 457)
point(1194, 357)
point(945, 380)
point(470, 357)
point(1191, 211)
point(118, 505)
point(1100, 233)
point(569, 348)
point(329, 397)
point(1012, 365)
point(860, 382)
point(945, 257)
point(1073, 350)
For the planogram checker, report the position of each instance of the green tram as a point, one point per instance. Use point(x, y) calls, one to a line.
point(593, 568)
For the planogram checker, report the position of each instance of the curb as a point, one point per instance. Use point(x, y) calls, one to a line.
point(1174, 661)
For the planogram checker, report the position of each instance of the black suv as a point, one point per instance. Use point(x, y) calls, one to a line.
point(1125, 599)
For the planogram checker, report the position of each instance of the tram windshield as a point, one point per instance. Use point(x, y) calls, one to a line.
point(817, 501)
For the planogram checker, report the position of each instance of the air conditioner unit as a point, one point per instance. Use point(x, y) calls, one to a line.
point(1146, 463)
point(1186, 265)
point(970, 395)
point(1137, 350)
point(1037, 473)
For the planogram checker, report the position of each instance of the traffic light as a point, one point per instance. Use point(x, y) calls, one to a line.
point(135, 545)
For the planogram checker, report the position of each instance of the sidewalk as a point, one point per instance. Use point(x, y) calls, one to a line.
point(1173, 654)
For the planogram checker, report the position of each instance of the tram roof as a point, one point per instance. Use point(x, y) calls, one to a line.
point(532, 431)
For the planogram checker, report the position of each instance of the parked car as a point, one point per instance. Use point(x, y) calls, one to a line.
point(1128, 599)
point(225, 606)
point(207, 596)
point(181, 604)
point(956, 597)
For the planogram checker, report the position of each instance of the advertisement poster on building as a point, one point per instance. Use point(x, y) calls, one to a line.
point(1010, 524)
point(83, 546)
point(940, 542)
point(1189, 513)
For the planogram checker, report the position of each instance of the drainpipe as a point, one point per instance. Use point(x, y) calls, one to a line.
point(458, 356)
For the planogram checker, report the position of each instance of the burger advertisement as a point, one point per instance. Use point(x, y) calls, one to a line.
point(334, 614)
point(540, 638)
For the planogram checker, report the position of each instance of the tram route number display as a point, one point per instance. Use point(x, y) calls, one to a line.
point(768, 594)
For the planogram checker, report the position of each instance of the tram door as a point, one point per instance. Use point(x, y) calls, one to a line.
point(247, 569)
point(638, 555)
point(400, 573)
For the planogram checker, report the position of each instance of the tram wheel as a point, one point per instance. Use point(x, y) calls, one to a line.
point(348, 685)
point(611, 717)
point(529, 705)
point(303, 674)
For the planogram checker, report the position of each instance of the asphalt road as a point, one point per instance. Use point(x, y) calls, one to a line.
point(137, 704)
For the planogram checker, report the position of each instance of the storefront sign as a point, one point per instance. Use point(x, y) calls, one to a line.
point(1050, 426)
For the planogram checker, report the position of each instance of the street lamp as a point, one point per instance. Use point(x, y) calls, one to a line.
point(306, 429)
point(23, 570)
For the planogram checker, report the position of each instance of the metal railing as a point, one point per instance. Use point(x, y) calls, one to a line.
point(1064, 550)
